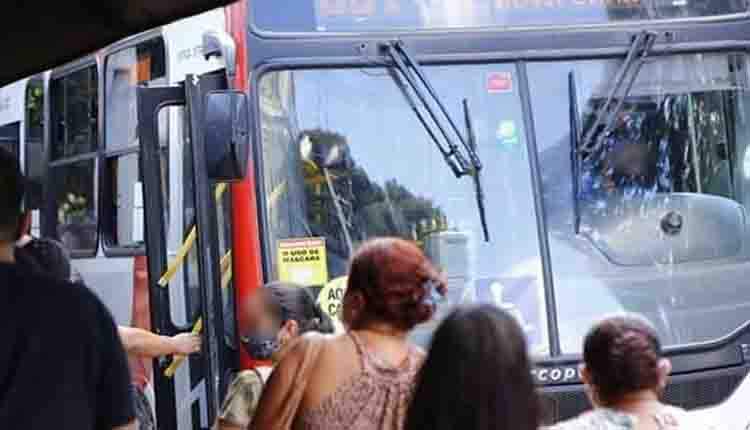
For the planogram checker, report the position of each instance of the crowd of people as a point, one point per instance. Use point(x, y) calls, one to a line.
point(476, 374)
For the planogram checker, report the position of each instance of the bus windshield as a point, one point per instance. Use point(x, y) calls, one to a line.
point(661, 204)
point(358, 16)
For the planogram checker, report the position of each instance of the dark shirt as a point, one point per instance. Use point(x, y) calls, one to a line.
point(62, 364)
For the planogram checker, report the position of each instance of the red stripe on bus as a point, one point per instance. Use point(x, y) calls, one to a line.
point(247, 267)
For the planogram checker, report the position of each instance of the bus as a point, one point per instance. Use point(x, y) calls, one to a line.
point(562, 159)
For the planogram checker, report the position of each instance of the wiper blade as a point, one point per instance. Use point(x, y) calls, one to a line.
point(628, 72)
point(462, 160)
point(476, 173)
point(575, 159)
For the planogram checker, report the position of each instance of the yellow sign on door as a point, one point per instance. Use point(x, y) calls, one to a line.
point(303, 261)
point(331, 297)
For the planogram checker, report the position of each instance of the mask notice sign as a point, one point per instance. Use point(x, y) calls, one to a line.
point(499, 82)
point(303, 261)
point(331, 297)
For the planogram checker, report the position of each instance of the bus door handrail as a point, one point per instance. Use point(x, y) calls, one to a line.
point(176, 264)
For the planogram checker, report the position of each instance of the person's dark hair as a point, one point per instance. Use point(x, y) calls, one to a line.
point(395, 277)
point(46, 257)
point(11, 196)
point(476, 376)
point(622, 355)
point(293, 302)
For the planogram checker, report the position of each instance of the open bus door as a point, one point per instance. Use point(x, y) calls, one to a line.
point(217, 124)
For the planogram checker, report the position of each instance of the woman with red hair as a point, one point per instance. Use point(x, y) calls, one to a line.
point(363, 379)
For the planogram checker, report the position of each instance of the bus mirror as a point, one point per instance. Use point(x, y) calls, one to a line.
point(227, 135)
point(221, 44)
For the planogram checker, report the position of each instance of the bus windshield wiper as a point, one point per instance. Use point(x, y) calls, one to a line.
point(625, 79)
point(463, 159)
point(575, 159)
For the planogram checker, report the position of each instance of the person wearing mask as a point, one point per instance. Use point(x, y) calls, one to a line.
point(625, 374)
point(76, 381)
point(477, 375)
point(363, 379)
point(278, 314)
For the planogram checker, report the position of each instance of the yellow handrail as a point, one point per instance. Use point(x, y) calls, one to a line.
point(178, 359)
point(187, 245)
point(226, 278)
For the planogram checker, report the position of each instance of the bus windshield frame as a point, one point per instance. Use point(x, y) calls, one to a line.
point(323, 18)
point(474, 46)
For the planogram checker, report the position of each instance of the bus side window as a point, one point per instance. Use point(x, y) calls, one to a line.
point(34, 143)
point(9, 138)
point(72, 174)
point(123, 209)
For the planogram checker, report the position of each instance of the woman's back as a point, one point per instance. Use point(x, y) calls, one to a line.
point(354, 387)
point(362, 380)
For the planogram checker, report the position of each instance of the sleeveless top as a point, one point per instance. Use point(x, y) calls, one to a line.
point(377, 398)
point(669, 418)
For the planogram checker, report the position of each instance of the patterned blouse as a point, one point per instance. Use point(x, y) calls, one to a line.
point(670, 418)
point(243, 396)
point(375, 399)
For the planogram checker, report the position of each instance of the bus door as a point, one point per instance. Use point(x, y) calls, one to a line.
point(216, 121)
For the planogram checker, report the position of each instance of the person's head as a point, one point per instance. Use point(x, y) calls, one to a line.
point(391, 282)
point(477, 375)
point(11, 197)
point(45, 256)
point(277, 314)
point(622, 356)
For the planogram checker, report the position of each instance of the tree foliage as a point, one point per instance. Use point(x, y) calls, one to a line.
point(370, 209)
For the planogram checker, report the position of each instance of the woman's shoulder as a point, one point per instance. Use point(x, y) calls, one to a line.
point(599, 419)
point(670, 417)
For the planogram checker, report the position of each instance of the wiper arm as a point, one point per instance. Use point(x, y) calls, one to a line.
point(466, 163)
point(628, 72)
point(448, 153)
point(410, 70)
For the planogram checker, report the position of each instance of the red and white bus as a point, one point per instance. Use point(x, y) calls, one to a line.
point(562, 159)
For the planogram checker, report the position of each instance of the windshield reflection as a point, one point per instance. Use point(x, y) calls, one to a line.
point(661, 203)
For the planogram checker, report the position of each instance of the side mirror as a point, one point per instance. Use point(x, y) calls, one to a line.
point(221, 44)
point(227, 135)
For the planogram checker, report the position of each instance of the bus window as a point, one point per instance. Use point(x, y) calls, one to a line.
point(190, 270)
point(10, 138)
point(73, 160)
point(34, 143)
point(346, 160)
point(123, 204)
point(660, 203)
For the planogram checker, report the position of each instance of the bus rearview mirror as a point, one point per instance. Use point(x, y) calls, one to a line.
point(227, 135)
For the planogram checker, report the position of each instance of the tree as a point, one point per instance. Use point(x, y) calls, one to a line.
point(370, 209)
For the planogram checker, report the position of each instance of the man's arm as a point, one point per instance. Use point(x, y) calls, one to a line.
point(143, 343)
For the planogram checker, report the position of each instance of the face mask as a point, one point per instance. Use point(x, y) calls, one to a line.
point(261, 346)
